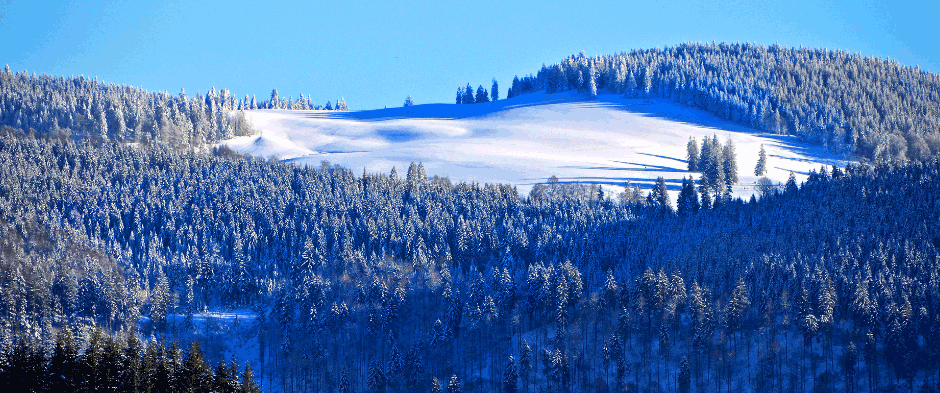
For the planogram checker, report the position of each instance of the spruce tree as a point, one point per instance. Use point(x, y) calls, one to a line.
point(468, 95)
point(658, 196)
point(510, 377)
point(761, 167)
point(693, 154)
point(482, 95)
point(454, 385)
point(730, 163)
point(248, 384)
point(591, 81)
point(494, 91)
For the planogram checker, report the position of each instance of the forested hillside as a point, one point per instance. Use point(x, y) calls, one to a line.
point(874, 108)
point(381, 282)
point(83, 107)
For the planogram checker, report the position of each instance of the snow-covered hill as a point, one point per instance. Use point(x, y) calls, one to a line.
point(525, 140)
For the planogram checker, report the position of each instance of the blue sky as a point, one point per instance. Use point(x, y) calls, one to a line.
point(376, 53)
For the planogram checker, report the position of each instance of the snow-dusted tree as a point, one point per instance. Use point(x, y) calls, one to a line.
point(658, 197)
point(761, 168)
point(510, 377)
point(494, 91)
point(454, 385)
point(591, 81)
point(693, 155)
point(408, 102)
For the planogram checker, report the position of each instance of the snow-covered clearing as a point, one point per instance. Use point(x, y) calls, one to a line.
point(525, 140)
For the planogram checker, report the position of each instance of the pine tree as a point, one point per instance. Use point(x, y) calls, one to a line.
point(494, 91)
point(591, 81)
point(376, 378)
point(454, 385)
point(630, 86)
point(658, 196)
point(248, 384)
point(693, 154)
point(510, 377)
point(687, 203)
point(459, 95)
point(730, 163)
point(791, 186)
point(275, 102)
point(482, 95)
point(685, 376)
point(761, 167)
point(62, 364)
point(408, 102)
point(344, 381)
point(468, 95)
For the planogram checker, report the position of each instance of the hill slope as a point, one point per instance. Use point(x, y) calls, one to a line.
point(525, 140)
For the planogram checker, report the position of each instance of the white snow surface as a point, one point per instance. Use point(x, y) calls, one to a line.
point(525, 140)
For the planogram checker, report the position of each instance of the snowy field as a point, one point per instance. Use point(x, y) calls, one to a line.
point(525, 140)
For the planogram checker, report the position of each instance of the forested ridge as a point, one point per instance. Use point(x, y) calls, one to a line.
point(411, 283)
point(82, 107)
point(876, 109)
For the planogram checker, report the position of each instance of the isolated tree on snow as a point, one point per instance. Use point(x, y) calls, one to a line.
point(494, 91)
point(408, 102)
point(761, 167)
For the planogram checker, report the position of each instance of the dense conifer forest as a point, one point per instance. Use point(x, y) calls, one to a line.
point(873, 108)
point(388, 282)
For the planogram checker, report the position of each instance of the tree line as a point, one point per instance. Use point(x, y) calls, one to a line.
point(117, 364)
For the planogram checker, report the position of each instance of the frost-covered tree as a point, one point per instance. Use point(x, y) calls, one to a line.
point(761, 168)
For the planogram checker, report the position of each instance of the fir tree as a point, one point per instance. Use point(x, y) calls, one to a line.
point(761, 168)
point(693, 154)
point(482, 95)
point(510, 377)
point(494, 91)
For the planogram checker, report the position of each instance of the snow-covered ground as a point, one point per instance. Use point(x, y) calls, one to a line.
point(525, 140)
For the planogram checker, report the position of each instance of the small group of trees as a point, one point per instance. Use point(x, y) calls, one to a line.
point(465, 95)
point(717, 165)
point(303, 103)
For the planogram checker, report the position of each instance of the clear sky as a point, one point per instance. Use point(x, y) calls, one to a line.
point(376, 53)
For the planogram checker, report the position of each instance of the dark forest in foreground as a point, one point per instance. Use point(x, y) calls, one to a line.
point(408, 283)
